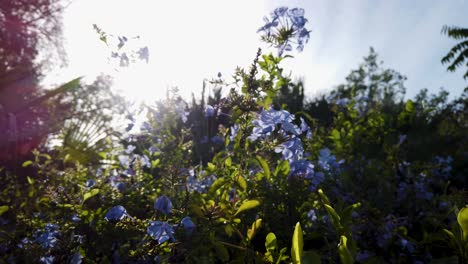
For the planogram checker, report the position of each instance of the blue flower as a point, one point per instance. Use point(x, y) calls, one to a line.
point(311, 215)
point(160, 231)
point(75, 218)
point(316, 180)
point(209, 111)
point(47, 259)
point(201, 186)
point(218, 140)
point(145, 161)
point(116, 213)
point(163, 204)
point(188, 225)
point(302, 168)
point(124, 160)
point(327, 161)
point(291, 150)
point(90, 183)
point(143, 54)
point(280, 11)
point(305, 129)
point(234, 131)
point(130, 149)
point(286, 27)
point(268, 120)
point(48, 239)
point(77, 258)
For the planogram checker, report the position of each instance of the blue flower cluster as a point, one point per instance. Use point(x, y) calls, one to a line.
point(160, 231)
point(163, 204)
point(286, 26)
point(327, 161)
point(49, 238)
point(268, 120)
point(116, 213)
point(291, 150)
point(199, 185)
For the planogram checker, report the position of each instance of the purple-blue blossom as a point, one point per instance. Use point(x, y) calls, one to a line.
point(47, 259)
point(305, 129)
point(116, 213)
point(209, 111)
point(201, 186)
point(143, 54)
point(160, 231)
point(49, 238)
point(234, 131)
point(302, 168)
point(188, 225)
point(291, 150)
point(284, 28)
point(163, 204)
point(312, 215)
point(217, 140)
point(90, 183)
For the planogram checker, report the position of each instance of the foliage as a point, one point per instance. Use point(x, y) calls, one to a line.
point(459, 53)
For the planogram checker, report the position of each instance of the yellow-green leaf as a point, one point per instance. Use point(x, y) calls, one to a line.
point(90, 194)
point(30, 180)
point(247, 205)
point(264, 164)
point(462, 219)
point(4, 209)
point(343, 251)
point(297, 245)
point(242, 183)
point(228, 162)
point(271, 242)
point(27, 163)
point(255, 226)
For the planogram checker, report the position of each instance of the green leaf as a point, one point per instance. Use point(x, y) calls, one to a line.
point(265, 167)
point(297, 244)
point(255, 226)
point(90, 194)
point(30, 180)
point(247, 205)
point(155, 163)
point(345, 255)
point(335, 135)
point(241, 182)
point(283, 168)
point(325, 199)
point(335, 217)
point(228, 162)
point(211, 167)
point(271, 242)
point(217, 184)
point(462, 219)
point(4, 209)
point(27, 163)
point(409, 106)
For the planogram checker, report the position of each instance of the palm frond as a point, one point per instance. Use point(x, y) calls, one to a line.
point(455, 32)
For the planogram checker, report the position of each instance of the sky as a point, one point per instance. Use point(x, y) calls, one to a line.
point(191, 41)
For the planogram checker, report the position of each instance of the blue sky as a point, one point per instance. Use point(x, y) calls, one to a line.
point(405, 34)
point(194, 40)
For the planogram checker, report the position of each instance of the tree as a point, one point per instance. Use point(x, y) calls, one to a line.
point(459, 53)
point(27, 27)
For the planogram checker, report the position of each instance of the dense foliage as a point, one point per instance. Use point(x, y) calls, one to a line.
point(256, 176)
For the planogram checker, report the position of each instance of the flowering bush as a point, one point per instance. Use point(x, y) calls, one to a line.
point(239, 180)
